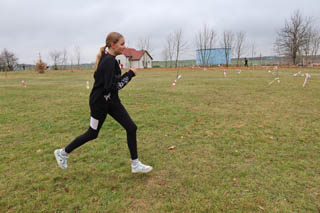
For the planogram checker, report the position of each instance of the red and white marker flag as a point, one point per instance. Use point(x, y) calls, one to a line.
point(298, 73)
point(306, 79)
point(276, 79)
point(23, 83)
point(175, 81)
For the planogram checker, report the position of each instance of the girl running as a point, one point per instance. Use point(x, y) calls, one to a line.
point(104, 100)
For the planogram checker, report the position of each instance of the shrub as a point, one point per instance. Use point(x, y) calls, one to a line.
point(40, 66)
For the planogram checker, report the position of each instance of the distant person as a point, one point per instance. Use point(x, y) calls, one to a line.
point(104, 100)
point(245, 62)
point(23, 67)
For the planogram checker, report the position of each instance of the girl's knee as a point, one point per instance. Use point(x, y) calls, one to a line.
point(92, 134)
point(132, 129)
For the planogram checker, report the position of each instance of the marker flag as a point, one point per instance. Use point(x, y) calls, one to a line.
point(306, 79)
point(23, 83)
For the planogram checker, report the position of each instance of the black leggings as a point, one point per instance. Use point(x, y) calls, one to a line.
point(120, 114)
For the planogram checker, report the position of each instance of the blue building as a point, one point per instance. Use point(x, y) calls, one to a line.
point(215, 56)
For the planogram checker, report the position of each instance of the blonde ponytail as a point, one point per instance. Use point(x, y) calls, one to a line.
point(102, 50)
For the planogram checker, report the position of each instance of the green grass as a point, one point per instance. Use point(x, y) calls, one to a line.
point(241, 145)
point(181, 63)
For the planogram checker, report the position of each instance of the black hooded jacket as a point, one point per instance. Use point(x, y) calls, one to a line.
point(108, 81)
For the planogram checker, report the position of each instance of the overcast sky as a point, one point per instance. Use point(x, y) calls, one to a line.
point(29, 26)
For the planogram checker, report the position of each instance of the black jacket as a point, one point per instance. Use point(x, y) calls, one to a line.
point(108, 81)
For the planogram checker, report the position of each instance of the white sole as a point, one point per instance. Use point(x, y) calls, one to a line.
point(143, 171)
point(56, 155)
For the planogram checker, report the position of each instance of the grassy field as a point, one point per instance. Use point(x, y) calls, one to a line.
point(181, 63)
point(241, 145)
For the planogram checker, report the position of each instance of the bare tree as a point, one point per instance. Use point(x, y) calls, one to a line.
point(315, 45)
point(56, 58)
point(180, 45)
point(253, 50)
point(205, 41)
point(77, 53)
point(8, 61)
point(293, 35)
point(64, 59)
point(277, 50)
point(165, 56)
point(310, 44)
point(71, 61)
point(2, 63)
point(144, 44)
point(170, 45)
point(227, 43)
point(239, 45)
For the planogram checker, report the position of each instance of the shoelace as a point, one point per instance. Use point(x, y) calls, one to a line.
point(64, 156)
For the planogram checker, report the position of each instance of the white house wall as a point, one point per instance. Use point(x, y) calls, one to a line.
point(148, 60)
point(123, 60)
point(137, 64)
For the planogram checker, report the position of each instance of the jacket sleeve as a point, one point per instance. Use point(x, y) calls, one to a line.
point(124, 80)
point(112, 82)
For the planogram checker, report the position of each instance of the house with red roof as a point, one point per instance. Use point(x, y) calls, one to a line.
point(135, 58)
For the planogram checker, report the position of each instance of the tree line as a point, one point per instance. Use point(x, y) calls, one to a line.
point(60, 59)
point(298, 39)
point(205, 39)
point(8, 60)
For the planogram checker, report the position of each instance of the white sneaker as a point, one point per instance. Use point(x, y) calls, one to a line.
point(140, 167)
point(61, 157)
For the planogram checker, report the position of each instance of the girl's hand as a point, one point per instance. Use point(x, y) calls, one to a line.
point(134, 70)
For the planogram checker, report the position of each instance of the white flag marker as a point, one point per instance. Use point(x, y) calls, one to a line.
point(306, 79)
